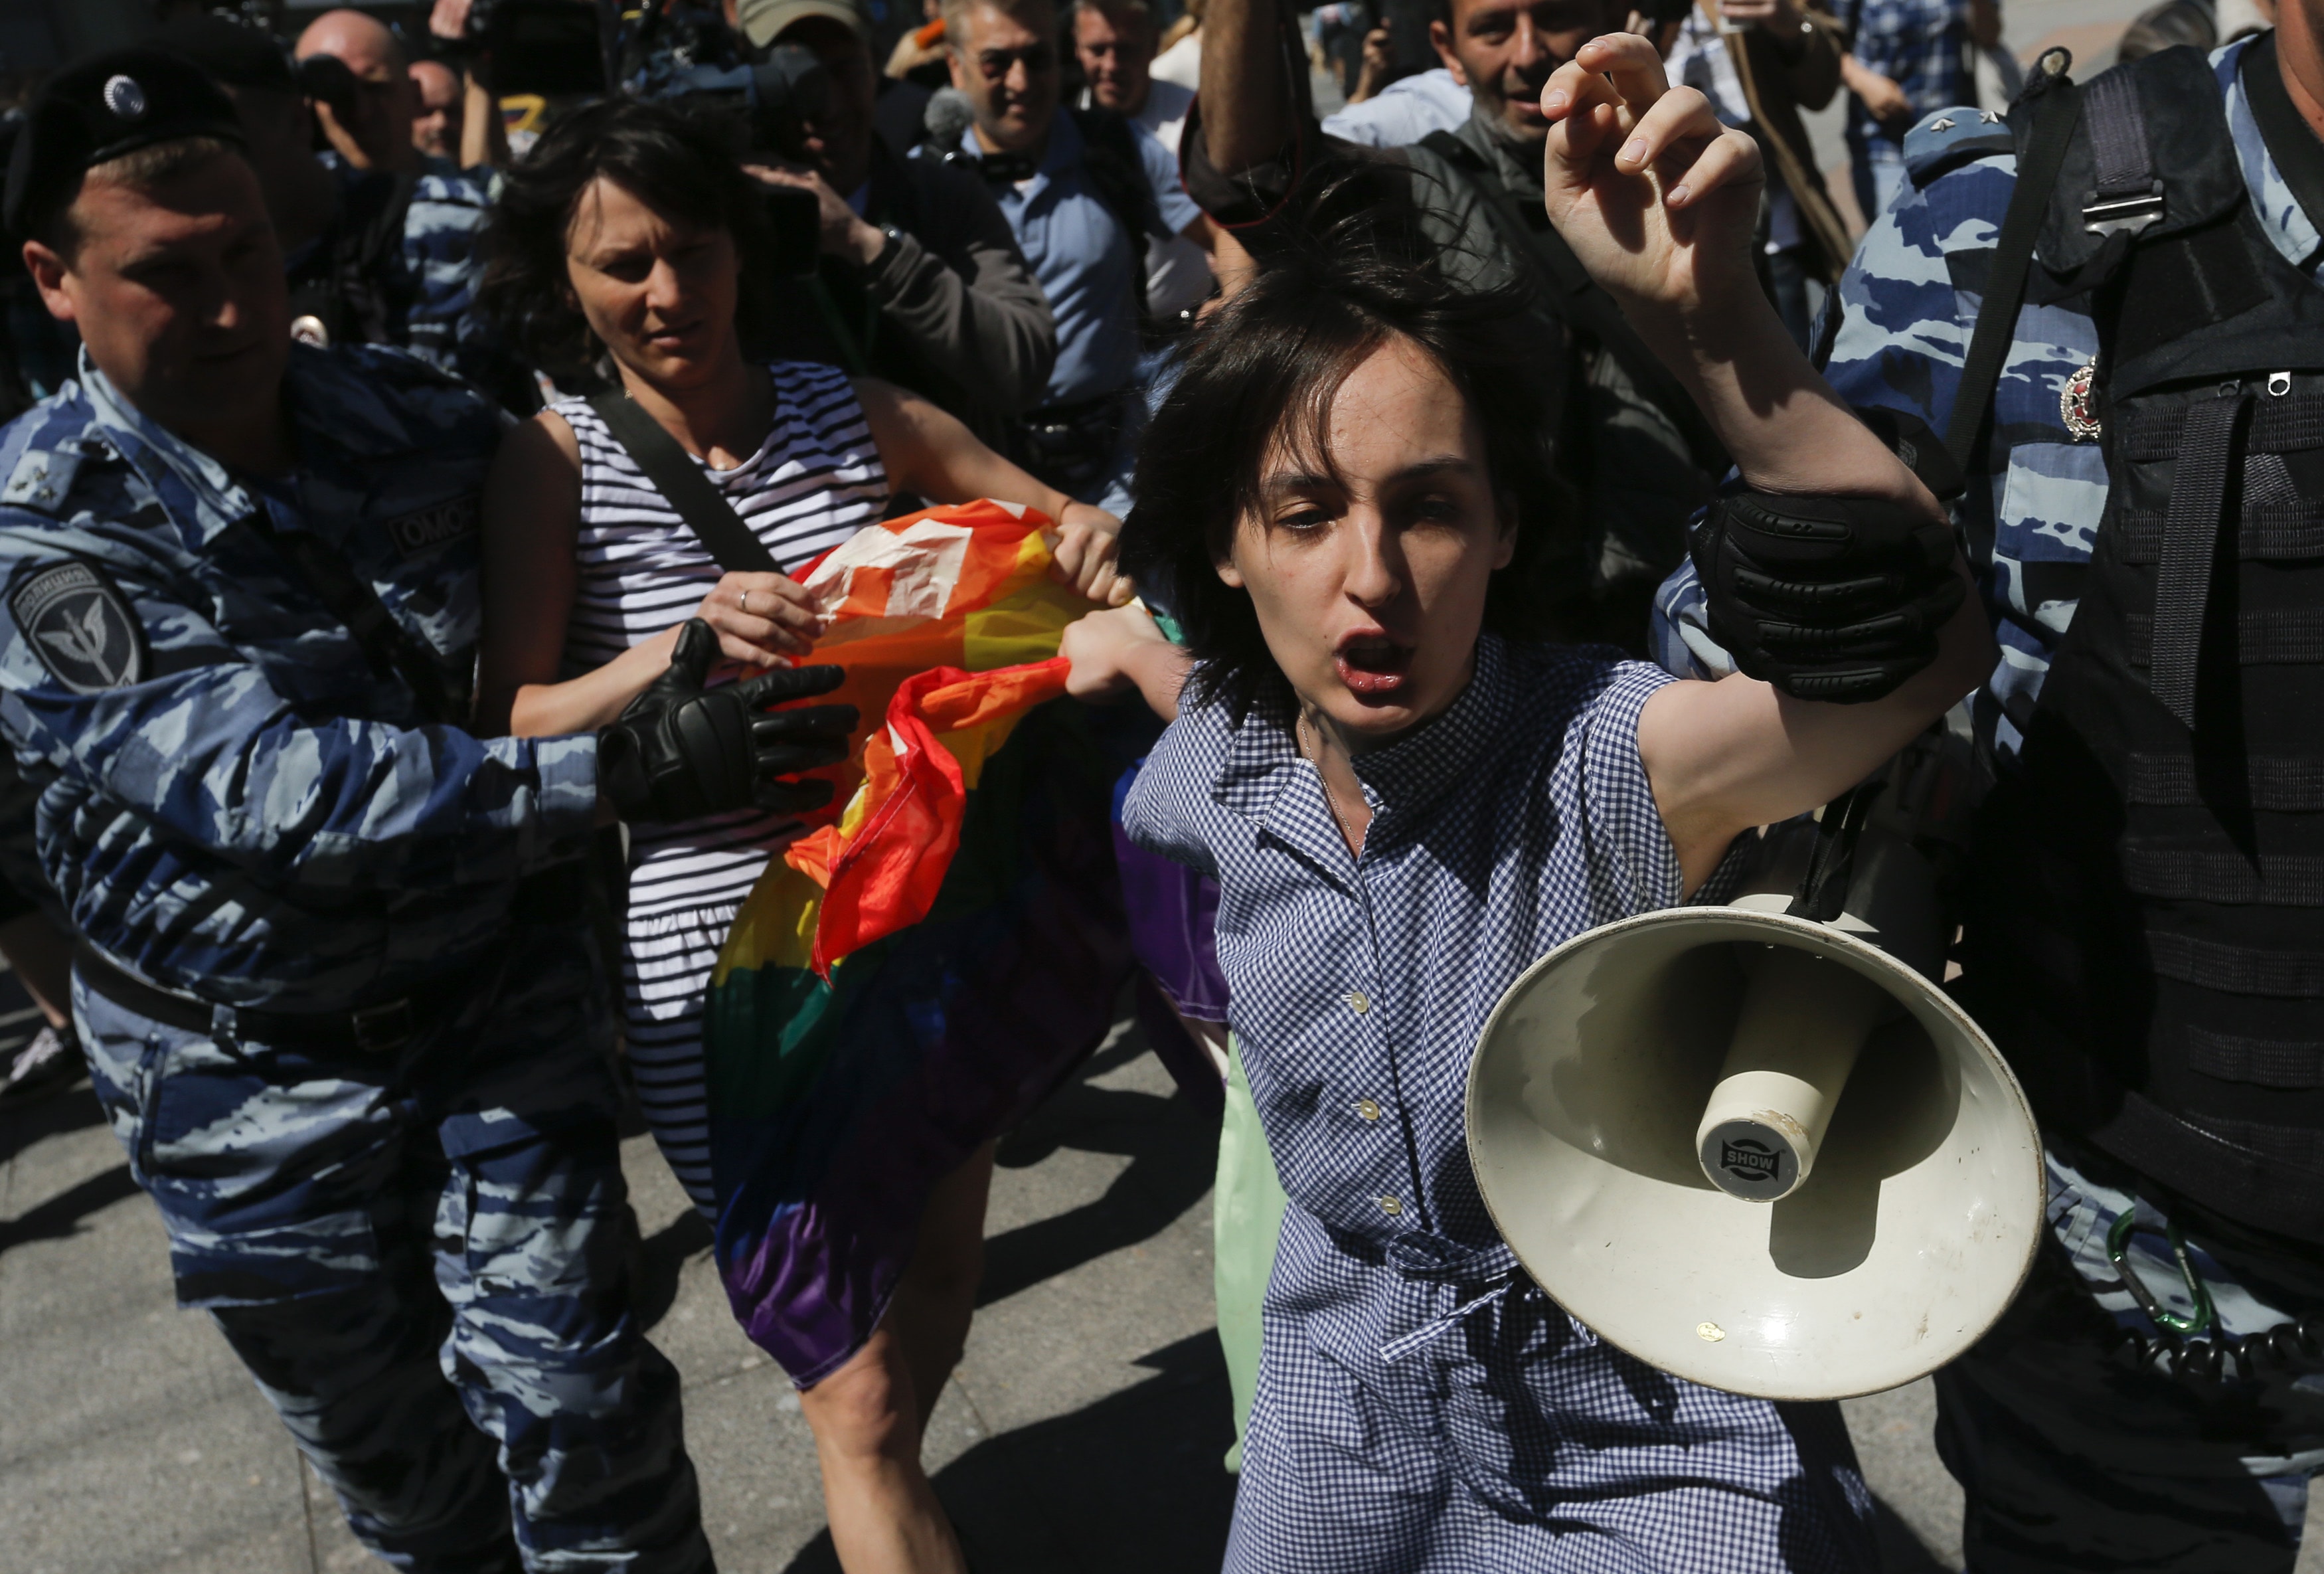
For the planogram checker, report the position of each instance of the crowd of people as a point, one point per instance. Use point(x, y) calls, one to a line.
point(1482, 508)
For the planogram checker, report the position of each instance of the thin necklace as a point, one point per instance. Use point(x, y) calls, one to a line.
point(1299, 736)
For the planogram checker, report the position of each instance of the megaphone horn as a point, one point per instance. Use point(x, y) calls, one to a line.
point(1756, 1145)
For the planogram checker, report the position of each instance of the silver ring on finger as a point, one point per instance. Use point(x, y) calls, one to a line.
point(744, 601)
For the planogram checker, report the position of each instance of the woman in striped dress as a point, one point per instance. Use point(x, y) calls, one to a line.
point(627, 234)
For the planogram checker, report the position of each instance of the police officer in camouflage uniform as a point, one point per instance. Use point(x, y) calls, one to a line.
point(2136, 460)
point(337, 989)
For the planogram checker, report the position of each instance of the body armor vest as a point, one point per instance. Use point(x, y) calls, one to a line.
point(2144, 931)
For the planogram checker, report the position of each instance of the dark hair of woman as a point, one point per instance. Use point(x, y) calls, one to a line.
point(1260, 374)
point(677, 163)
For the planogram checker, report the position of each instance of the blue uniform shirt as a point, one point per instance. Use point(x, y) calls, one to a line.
point(1084, 262)
point(1909, 303)
point(233, 801)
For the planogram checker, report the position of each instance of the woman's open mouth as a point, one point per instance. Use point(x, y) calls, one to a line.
point(1372, 665)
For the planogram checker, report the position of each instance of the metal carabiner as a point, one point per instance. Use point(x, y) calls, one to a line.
point(2118, 1253)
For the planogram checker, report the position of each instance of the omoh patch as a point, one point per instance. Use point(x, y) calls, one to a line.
point(429, 527)
point(82, 627)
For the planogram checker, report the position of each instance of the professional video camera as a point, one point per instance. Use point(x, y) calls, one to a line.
point(680, 52)
point(685, 55)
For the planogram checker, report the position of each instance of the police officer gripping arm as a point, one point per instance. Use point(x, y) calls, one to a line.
point(2109, 305)
point(338, 991)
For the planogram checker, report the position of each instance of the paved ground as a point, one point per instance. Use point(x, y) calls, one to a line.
point(1084, 1428)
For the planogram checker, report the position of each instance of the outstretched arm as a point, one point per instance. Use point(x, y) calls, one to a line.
point(1659, 201)
point(1247, 108)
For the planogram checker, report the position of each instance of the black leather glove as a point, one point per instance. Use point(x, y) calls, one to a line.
point(1832, 599)
point(681, 751)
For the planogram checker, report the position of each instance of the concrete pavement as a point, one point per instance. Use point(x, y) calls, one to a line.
point(1083, 1428)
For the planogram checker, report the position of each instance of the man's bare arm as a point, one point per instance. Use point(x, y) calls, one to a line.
point(1247, 107)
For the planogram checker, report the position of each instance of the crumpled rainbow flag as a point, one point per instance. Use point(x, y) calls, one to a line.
point(946, 622)
point(930, 960)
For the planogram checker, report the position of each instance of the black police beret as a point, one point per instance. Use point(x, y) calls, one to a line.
point(101, 108)
point(237, 56)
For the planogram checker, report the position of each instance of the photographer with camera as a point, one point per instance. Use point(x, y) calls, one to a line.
point(920, 282)
point(379, 240)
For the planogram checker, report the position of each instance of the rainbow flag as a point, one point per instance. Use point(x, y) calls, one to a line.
point(925, 965)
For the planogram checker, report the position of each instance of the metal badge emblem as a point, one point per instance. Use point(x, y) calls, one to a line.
point(2078, 404)
point(309, 329)
point(124, 98)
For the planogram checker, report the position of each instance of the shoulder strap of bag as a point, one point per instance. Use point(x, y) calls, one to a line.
point(1579, 300)
point(2055, 111)
point(391, 649)
point(683, 486)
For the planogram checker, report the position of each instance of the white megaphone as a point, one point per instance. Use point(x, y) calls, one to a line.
point(1762, 1152)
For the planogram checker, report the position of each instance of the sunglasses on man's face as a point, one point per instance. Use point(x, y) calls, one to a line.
point(995, 63)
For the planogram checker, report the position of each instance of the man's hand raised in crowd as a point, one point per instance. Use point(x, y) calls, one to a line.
point(845, 232)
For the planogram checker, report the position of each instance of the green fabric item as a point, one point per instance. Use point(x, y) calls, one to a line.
point(1246, 1216)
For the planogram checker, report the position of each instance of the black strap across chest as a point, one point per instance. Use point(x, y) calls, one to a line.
point(729, 541)
point(391, 649)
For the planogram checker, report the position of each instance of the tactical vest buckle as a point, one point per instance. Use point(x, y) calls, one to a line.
point(2123, 215)
point(384, 1029)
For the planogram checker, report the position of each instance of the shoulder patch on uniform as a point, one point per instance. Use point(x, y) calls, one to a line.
point(41, 479)
point(425, 528)
point(80, 626)
point(1952, 137)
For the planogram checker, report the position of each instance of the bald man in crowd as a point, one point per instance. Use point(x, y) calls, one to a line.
point(436, 128)
point(368, 116)
point(369, 124)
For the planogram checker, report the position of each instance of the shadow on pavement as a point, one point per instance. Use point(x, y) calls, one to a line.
point(1902, 1552)
point(60, 1217)
point(661, 1258)
point(1133, 1484)
point(1173, 1152)
point(76, 1109)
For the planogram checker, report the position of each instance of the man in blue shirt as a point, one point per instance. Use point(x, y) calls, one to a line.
point(1084, 192)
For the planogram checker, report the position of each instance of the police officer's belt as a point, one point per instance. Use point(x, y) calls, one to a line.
point(374, 1029)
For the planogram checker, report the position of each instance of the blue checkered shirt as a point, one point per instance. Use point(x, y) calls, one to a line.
point(1920, 45)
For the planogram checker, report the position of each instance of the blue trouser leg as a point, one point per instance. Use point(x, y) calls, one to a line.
point(305, 1196)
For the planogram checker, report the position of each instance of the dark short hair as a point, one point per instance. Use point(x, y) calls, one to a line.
point(1264, 370)
point(680, 164)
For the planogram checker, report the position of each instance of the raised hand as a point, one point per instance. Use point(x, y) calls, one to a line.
point(1656, 198)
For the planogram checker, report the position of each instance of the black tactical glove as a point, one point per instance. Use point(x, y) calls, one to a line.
point(681, 751)
point(1832, 599)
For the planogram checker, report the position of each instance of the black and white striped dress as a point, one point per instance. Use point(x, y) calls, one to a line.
point(815, 481)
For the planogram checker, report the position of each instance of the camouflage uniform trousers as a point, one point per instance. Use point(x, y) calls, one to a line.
point(2074, 1457)
point(421, 1257)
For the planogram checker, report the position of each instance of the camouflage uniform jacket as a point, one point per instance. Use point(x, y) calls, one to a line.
point(233, 801)
point(1906, 308)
